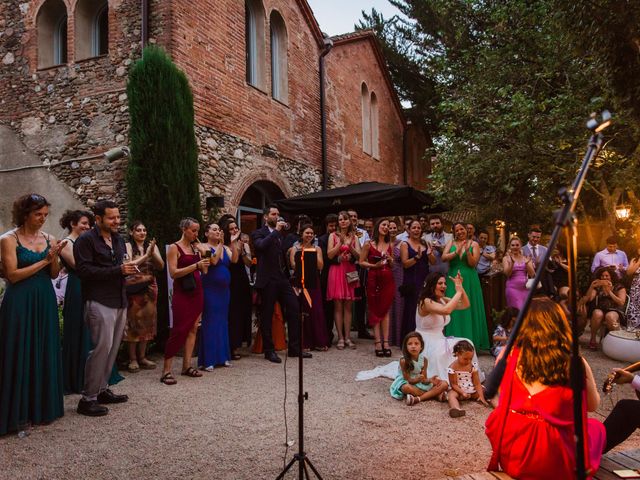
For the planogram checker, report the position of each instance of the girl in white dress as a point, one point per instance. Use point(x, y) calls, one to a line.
point(432, 315)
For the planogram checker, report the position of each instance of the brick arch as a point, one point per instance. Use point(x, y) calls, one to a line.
point(269, 176)
point(37, 5)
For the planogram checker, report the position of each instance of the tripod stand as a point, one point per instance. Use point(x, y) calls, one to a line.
point(301, 457)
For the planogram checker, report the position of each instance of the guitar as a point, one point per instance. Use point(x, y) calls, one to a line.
point(607, 386)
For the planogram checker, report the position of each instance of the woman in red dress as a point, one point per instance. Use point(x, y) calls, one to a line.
point(377, 257)
point(531, 431)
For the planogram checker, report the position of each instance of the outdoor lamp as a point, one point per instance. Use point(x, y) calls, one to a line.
point(116, 153)
point(597, 124)
point(623, 211)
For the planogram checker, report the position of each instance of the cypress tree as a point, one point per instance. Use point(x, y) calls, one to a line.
point(162, 174)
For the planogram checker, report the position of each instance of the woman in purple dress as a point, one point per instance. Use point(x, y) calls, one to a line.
point(517, 269)
point(415, 258)
point(395, 318)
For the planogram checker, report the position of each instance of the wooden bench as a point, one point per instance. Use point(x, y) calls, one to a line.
point(629, 459)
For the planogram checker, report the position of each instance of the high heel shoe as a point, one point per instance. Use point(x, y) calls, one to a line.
point(386, 351)
point(379, 353)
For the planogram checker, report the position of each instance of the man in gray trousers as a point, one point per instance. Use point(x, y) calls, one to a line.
point(99, 255)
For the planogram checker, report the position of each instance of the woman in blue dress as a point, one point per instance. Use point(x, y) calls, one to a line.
point(214, 331)
point(31, 389)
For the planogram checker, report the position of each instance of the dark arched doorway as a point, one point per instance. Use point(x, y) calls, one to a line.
point(253, 201)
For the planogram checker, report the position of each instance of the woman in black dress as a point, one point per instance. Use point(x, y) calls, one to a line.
point(240, 305)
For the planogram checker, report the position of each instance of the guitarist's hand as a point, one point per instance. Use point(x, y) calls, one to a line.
point(622, 376)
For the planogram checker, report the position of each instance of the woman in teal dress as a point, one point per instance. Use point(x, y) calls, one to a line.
point(463, 255)
point(76, 341)
point(30, 360)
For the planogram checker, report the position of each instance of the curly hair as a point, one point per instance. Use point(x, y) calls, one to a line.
point(26, 204)
point(408, 361)
point(545, 344)
point(462, 346)
point(72, 217)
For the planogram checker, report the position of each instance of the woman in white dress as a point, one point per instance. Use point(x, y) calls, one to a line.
point(432, 315)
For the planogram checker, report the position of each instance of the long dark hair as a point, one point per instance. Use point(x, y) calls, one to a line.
point(429, 289)
point(351, 229)
point(376, 232)
point(225, 229)
point(408, 361)
point(135, 251)
point(453, 230)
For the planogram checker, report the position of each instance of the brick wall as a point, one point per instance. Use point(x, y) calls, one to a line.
point(348, 66)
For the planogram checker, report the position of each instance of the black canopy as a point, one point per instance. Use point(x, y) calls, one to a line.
point(369, 199)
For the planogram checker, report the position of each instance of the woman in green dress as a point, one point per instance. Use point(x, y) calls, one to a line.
point(463, 254)
point(30, 361)
point(76, 341)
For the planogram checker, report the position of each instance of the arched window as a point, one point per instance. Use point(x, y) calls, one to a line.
point(91, 28)
point(366, 118)
point(254, 42)
point(279, 68)
point(51, 24)
point(375, 147)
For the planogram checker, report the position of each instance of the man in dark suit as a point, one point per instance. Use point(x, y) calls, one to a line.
point(272, 282)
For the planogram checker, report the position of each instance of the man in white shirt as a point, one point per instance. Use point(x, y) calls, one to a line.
point(438, 239)
point(624, 419)
point(361, 233)
point(404, 236)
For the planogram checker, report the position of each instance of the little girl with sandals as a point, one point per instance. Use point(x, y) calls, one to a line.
point(412, 380)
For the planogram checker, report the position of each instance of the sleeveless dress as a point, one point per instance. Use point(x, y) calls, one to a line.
point(314, 335)
point(380, 287)
point(470, 323)
point(633, 312)
point(396, 387)
point(239, 306)
point(397, 307)
point(142, 312)
point(532, 435)
point(31, 387)
point(516, 286)
point(76, 339)
point(186, 306)
point(214, 332)
point(438, 349)
point(337, 286)
point(414, 279)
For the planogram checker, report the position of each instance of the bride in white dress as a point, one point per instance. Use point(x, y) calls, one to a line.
point(432, 315)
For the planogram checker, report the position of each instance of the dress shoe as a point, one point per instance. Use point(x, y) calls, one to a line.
point(91, 408)
point(109, 397)
point(298, 354)
point(365, 335)
point(272, 357)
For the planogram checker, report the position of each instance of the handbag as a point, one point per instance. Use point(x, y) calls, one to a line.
point(352, 277)
point(529, 284)
point(188, 282)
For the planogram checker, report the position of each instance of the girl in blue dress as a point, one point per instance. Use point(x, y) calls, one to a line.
point(412, 378)
point(214, 331)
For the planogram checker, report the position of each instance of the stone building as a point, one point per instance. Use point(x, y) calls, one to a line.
point(254, 67)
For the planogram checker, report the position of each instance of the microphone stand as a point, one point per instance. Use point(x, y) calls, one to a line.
point(566, 220)
point(301, 457)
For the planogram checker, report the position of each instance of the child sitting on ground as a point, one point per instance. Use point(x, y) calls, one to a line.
point(464, 379)
point(503, 330)
point(412, 378)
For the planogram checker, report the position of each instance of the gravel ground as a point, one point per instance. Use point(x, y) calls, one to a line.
point(230, 425)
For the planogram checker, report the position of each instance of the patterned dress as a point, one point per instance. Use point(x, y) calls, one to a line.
point(633, 312)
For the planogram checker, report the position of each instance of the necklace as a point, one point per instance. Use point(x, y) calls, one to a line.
point(31, 240)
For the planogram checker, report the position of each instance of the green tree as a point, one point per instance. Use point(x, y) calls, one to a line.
point(513, 87)
point(162, 175)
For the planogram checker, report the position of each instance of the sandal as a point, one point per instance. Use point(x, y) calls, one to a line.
point(386, 351)
point(379, 353)
point(350, 344)
point(456, 413)
point(146, 364)
point(133, 367)
point(168, 379)
point(191, 372)
point(340, 344)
